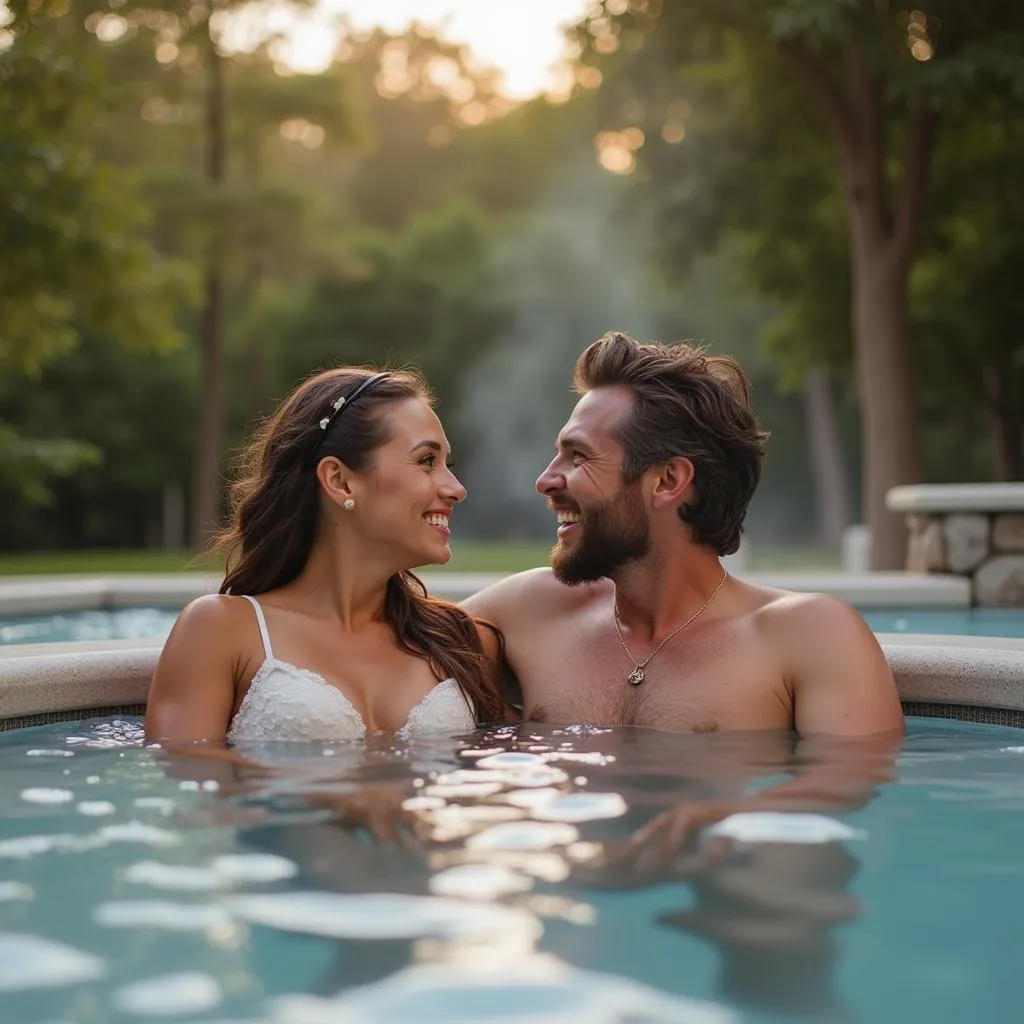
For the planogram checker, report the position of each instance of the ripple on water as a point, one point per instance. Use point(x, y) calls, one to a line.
point(30, 961)
point(525, 991)
point(384, 916)
point(783, 827)
point(45, 795)
point(220, 873)
point(11, 891)
point(96, 808)
point(161, 914)
point(581, 807)
point(524, 835)
point(479, 882)
point(126, 832)
point(169, 995)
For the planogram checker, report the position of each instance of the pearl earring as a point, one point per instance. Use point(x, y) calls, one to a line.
point(348, 504)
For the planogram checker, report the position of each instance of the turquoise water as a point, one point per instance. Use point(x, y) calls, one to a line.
point(145, 622)
point(113, 624)
point(963, 621)
point(505, 877)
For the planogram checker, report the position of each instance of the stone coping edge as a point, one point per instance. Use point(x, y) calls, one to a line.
point(41, 678)
point(39, 595)
point(1004, 497)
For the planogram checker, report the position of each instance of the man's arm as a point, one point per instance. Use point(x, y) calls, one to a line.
point(841, 682)
point(504, 605)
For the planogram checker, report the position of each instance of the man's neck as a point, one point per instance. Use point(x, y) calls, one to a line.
point(655, 594)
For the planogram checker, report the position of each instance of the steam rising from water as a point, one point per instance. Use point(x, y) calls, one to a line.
point(574, 271)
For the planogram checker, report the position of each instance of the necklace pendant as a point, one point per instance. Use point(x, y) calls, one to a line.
point(636, 677)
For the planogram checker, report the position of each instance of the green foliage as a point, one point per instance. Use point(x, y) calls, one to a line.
point(757, 167)
point(423, 296)
point(81, 262)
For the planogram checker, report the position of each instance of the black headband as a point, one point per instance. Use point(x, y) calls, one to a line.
point(342, 403)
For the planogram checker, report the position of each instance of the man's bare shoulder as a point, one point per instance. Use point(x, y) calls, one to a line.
point(832, 663)
point(530, 594)
point(790, 615)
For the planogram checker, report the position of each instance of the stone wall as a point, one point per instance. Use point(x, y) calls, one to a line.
point(970, 530)
point(987, 548)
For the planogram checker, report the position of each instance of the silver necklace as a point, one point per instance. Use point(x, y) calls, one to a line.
point(637, 676)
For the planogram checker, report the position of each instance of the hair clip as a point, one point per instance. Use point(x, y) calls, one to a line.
point(339, 403)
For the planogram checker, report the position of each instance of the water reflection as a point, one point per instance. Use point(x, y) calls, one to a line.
point(415, 857)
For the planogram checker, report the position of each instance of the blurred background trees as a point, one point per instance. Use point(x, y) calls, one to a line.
point(824, 188)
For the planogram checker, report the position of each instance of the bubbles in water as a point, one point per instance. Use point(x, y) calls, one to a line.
point(170, 995)
point(49, 753)
point(116, 732)
point(29, 961)
point(778, 827)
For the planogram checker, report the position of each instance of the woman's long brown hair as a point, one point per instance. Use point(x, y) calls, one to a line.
point(275, 506)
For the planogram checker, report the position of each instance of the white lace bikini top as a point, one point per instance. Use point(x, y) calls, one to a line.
point(295, 704)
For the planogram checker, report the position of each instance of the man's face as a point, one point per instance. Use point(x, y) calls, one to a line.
point(603, 523)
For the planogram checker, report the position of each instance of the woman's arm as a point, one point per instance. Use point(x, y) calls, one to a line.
point(193, 689)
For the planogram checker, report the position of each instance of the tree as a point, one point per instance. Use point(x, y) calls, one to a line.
point(968, 304)
point(205, 121)
point(71, 229)
point(883, 83)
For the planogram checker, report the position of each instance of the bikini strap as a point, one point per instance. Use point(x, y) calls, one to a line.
point(263, 625)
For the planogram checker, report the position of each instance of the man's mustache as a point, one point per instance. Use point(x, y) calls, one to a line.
point(562, 503)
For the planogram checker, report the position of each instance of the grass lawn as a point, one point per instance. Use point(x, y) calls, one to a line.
point(468, 556)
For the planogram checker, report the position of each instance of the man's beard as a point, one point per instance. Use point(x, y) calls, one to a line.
point(610, 535)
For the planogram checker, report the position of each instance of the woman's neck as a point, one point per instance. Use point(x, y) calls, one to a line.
point(339, 582)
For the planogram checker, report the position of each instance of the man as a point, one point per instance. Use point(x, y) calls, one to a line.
point(636, 622)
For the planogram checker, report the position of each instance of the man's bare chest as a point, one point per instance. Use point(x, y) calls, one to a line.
point(714, 679)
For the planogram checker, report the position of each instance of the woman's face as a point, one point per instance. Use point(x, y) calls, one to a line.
point(407, 494)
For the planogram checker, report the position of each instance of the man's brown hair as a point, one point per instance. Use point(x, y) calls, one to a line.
point(685, 403)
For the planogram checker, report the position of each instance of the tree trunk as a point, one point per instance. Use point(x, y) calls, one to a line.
point(1007, 419)
point(206, 482)
point(257, 371)
point(828, 465)
point(883, 235)
point(892, 454)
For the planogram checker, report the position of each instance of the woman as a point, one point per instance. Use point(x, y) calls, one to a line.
point(320, 631)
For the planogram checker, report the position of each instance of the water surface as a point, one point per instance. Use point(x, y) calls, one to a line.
point(522, 874)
